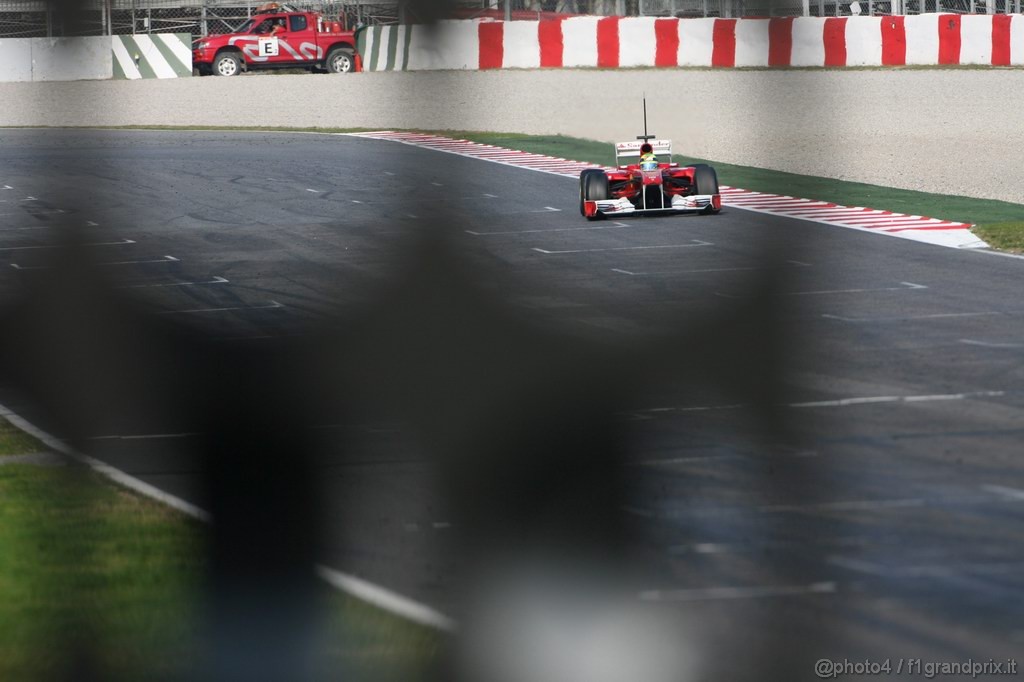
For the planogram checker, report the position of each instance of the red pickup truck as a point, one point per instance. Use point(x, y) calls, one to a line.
point(275, 38)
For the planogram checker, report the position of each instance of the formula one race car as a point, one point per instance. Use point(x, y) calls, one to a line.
point(652, 184)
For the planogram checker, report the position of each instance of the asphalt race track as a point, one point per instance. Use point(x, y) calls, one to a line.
point(887, 523)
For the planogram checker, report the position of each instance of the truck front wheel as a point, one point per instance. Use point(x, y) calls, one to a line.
point(227, 64)
point(339, 60)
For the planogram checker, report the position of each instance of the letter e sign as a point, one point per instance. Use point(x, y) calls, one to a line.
point(268, 47)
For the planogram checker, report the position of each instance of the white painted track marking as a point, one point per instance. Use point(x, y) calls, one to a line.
point(110, 472)
point(990, 344)
point(934, 571)
point(721, 593)
point(904, 286)
point(557, 229)
point(377, 596)
point(215, 280)
point(695, 243)
point(840, 402)
point(165, 259)
point(847, 402)
point(912, 318)
point(272, 305)
point(148, 436)
point(1012, 494)
point(386, 599)
point(123, 242)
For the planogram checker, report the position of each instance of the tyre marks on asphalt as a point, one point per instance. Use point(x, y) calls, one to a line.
point(23, 252)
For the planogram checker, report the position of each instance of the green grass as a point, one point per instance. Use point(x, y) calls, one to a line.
point(89, 566)
point(16, 442)
point(86, 564)
point(1006, 236)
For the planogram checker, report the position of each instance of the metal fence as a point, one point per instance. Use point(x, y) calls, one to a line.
point(19, 19)
point(119, 17)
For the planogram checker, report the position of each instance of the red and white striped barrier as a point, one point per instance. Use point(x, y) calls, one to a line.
point(613, 42)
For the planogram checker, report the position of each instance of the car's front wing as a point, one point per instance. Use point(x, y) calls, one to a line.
point(623, 206)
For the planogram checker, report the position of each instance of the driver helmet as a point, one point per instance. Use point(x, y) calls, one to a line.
point(648, 161)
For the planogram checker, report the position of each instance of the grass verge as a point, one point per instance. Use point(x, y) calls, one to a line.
point(96, 577)
point(14, 441)
point(1005, 236)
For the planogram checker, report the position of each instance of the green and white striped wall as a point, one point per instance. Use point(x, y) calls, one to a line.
point(384, 48)
point(156, 55)
point(443, 45)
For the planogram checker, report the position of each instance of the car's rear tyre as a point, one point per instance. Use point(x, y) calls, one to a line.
point(227, 64)
point(340, 60)
point(705, 181)
point(593, 187)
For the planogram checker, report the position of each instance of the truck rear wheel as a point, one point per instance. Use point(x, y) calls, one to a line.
point(339, 60)
point(227, 64)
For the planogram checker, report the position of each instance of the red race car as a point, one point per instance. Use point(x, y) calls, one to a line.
point(650, 184)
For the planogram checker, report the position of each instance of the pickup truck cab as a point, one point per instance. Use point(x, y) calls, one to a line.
point(276, 38)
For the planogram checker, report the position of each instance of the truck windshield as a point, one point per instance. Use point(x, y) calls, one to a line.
point(246, 27)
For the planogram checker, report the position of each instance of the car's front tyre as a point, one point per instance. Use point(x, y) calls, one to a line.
point(705, 181)
point(593, 187)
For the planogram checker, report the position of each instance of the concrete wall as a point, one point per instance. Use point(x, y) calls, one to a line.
point(55, 59)
point(15, 60)
point(955, 131)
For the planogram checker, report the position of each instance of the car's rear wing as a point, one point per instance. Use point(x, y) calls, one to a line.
point(628, 149)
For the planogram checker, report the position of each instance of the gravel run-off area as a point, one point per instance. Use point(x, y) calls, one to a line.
point(958, 131)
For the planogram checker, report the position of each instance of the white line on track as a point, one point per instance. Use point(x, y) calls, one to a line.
point(911, 318)
point(373, 594)
point(904, 286)
point(272, 305)
point(1010, 494)
point(386, 599)
point(872, 400)
point(722, 593)
point(700, 459)
point(148, 436)
point(165, 259)
point(841, 402)
point(935, 571)
point(844, 505)
point(694, 243)
point(989, 344)
point(557, 229)
point(314, 191)
point(123, 242)
point(215, 280)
